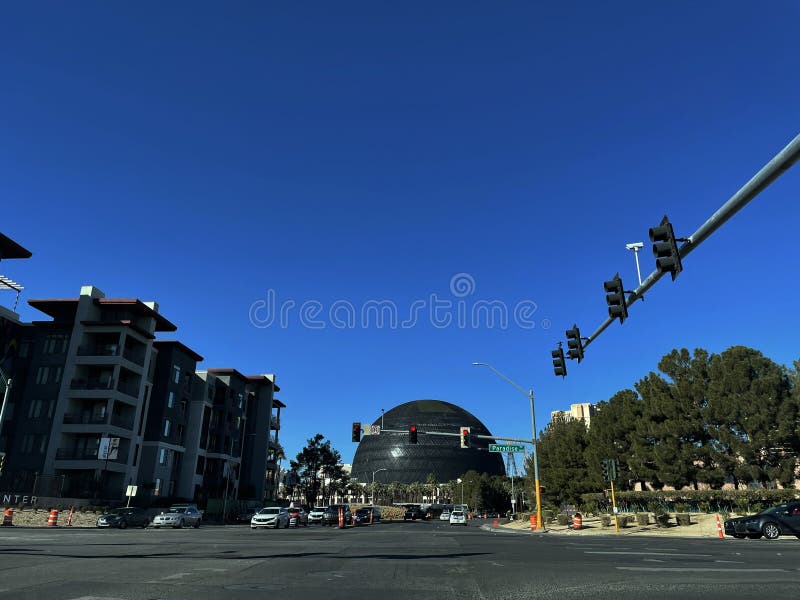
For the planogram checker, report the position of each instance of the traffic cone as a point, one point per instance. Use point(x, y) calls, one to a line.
point(720, 533)
point(52, 521)
point(69, 517)
point(8, 517)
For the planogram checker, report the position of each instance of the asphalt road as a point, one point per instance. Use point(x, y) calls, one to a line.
point(388, 561)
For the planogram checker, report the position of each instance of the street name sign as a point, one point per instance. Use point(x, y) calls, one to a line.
point(506, 448)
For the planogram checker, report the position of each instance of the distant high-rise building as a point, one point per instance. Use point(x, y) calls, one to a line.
point(583, 411)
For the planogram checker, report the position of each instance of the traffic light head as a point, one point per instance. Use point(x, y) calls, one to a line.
point(465, 434)
point(574, 343)
point(665, 248)
point(559, 364)
point(606, 474)
point(356, 432)
point(412, 434)
point(615, 298)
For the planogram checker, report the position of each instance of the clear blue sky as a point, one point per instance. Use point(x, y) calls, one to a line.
point(201, 155)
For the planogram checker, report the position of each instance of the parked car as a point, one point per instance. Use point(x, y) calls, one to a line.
point(367, 515)
point(122, 518)
point(414, 513)
point(445, 516)
point(298, 517)
point(245, 515)
point(315, 516)
point(458, 517)
point(270, 516)
point(771, 523)
point(331, 515)
point(179, 515)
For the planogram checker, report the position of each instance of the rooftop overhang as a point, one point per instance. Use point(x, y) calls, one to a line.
point(278, 403)
point(60, 309)
point(256, 379)
point(11, 249)
point(64, 309)
point(179, 346)
point(228, 372)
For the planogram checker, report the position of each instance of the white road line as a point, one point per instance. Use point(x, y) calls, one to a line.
point(700, 570)
point(645, 553)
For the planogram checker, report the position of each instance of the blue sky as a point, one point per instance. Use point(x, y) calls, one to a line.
point(208, 155)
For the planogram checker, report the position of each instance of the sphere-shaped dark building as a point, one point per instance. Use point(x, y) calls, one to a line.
point(441, 455)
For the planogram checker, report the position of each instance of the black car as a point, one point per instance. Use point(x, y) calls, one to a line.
point(412, 514)
point(331, 515)
point(367, 515)
point(122, 518)
point(771, 523)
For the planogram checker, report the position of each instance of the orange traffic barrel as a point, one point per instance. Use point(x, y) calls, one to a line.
point(577, 521)
point(534, 522)
point(52, 520)
point(8, 517)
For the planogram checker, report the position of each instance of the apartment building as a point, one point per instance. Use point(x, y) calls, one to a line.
point(90, 377)
point(168, 420)
point(258, 459)
point(582, 411)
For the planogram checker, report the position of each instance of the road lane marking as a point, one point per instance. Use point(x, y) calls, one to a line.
point(700, 570)
point(645, 553)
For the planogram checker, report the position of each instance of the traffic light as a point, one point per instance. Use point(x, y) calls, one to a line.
point(613, 469)
point(465, 437)
point(606, 474)
point(559, 364)
point(356, 432)
point(615, 298)
point(574, 343)
point(412, 434)
point(665, 248)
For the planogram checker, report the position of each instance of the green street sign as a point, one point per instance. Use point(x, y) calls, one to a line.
point(506, 448)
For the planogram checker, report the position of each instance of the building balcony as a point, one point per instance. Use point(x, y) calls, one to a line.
point(274, 423)
point(83, 454)
point(121, 422)
point(84, 419)
point(129, 388)
point(99, 350)
point(92, 384)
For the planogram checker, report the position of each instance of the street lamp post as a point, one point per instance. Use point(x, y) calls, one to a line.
point(529, 394)
point(372, 496)
point(461, 481)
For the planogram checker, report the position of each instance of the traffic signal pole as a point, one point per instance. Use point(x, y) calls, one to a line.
point(780, 163)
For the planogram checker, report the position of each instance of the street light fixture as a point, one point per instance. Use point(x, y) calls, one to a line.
point(636, 246)
point(372, 496)
point(529, 394)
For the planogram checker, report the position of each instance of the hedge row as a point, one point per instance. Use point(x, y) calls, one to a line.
point(703, 500)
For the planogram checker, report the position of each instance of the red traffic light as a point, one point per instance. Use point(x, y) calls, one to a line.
point(412, 434)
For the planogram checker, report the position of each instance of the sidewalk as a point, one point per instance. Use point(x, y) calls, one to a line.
point(703, 526)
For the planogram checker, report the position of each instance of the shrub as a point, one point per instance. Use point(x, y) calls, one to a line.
point(662, 520)
point(642, 519)
point(564, 519)
point(683, 519)
point(682, 507)
point(705, 506)
point(547, 515)
point(605, 520)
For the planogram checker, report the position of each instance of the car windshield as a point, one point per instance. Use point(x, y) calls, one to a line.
point(458, 514)
point(178, 509)
point(269, 511)
point(294, 511)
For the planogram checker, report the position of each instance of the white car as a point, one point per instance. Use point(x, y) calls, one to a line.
point(457, 517)
point(315, 516)
point(271, 516)
point(179, 515)
point(445, 516)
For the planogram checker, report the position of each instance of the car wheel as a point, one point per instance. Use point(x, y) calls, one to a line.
point(196, 524)
point(253, 527)
point(181, 524)
point(771, 531)
point(123, 524)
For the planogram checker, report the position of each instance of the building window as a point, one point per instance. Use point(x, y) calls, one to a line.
point(24, 349)
point(56, 343)
point(170, 399)
point(162, 456)
point(241, 401)
point(201, 465)
point(42, 444)
point(177, 373)
point(167, 427)
point(57, 375)
point(42, 375)
point(157, 488)
point(27, 444)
